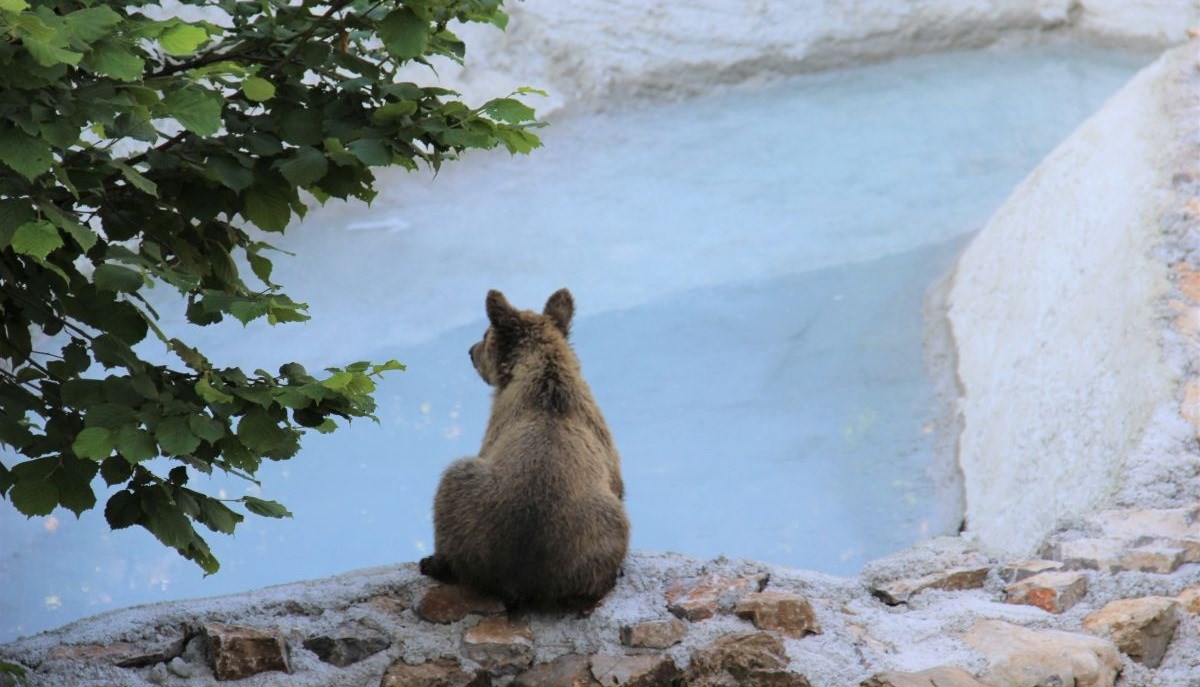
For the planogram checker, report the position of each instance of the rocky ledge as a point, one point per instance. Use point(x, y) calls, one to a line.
point(1113, 602)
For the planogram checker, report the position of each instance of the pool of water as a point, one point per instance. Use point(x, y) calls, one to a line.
point(748, 270)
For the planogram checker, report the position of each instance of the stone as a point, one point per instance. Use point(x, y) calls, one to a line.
point(942, 676)
point(1161, 557)
point(1021, 656)
point(784, 612)
point(1089, 553)
point(180, 668)
point(617, 670)
point(443, 672)
point(1015, 572)
point(343, 649)
point(954, 579)
point(748, 659)
point(1174, 527)
point(120, 654)
point(1053, 592)
point(239, 652)
point(158, 674)
point(1141, 628)
point(700, 598)
point(568, 670)
point(1189, 600)
point(387, 604)
point(500, 644)
point(448, 603)
point(654, 634)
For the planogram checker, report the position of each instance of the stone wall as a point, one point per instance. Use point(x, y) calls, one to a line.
point(1056, 310)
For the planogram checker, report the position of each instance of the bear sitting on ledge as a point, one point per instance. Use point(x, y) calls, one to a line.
point(536, 519)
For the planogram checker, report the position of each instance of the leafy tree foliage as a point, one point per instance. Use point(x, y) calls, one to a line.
point(137, 147)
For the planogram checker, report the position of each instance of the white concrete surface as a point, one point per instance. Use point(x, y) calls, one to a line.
point(600, 53)
point(1055, 313)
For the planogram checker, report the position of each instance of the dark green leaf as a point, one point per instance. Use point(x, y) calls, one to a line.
point(269, 509)
point(111, 58)
point(197, 109)
point(175, 436)
point(259, 432)
point(122, 510)
point(206, 428)
point(34, 498)
point(509, 110)
point(304, 166)
point(117, 278)
point(404, 34)
point(136, 444)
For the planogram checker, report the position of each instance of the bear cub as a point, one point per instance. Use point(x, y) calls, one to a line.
point(537, 518)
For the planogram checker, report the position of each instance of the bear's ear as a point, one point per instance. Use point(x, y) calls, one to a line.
point(499, 312)
point(560, 308)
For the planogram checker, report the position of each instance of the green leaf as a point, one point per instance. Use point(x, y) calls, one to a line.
point(74, 484)
point(518, 140)
point(175, 436)
point(34, 497)
point(404, 34)
point(230, 172)
point(136, 444)
point(197, 109)
point(509, 110)
point(116, 470)
point(182, 39)
point(112, 277)
point(122, 510)
point(259, 432)
point(135, 177)
point(13, 5)
point(261, 267)
point(371, 152)
point(258, 89)
point(84, 236)
point(304, 166)
point(113, 59)
point(13, 213)
point(269, 509)
point(388, 367)
point(210, 393)
point(218, 517)
point(29, 156)
point(37, 239)
point(267, 208)
point(49, 54)
point(16, 671)
point(206, 428)
point(91, 24)
point(94, 443)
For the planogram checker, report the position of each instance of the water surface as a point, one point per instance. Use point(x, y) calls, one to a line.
point(748, 269)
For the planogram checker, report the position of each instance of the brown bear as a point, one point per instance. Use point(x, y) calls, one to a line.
point(537, 518)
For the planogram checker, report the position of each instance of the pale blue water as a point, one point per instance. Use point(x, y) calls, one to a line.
point(748, 270)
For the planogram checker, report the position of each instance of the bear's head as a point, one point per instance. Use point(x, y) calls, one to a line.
point(514, 333)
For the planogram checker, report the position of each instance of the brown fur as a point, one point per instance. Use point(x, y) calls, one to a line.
point(537, 518)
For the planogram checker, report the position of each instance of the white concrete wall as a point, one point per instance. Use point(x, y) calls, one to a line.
point(1153, 21)
point(1055, 313)
point(588, 53)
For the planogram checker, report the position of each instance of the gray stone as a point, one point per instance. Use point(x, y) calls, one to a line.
point(344, 649)
point(180, 667)
point(700, 598)
point(954, 579)
point(1015, 572)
